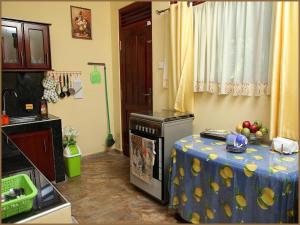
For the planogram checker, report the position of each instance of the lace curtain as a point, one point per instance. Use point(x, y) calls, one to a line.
point(231, 47)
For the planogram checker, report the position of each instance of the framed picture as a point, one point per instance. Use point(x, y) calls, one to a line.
point(81, 20)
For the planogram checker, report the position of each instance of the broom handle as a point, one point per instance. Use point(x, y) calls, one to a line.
point(106, 97)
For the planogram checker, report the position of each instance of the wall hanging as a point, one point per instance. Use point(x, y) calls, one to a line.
point(81, 21)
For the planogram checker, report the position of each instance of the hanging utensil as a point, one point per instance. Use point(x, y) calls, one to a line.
point(64, 89)
point(71, 88)
point(68, 90)
point(58, 90)
point(62, 94)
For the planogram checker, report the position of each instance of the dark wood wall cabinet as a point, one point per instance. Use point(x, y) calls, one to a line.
point(25, 46)
point(38, 147)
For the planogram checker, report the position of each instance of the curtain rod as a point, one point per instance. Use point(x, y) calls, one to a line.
point(189, 3)
point(158, 12)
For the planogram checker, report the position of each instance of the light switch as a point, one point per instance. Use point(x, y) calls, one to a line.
point(161, 65)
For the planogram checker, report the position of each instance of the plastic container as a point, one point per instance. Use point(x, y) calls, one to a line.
point(72, 157)
point(18, 205)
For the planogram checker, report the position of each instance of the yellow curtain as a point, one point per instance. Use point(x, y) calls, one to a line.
point(285, 71)
point(181, 95)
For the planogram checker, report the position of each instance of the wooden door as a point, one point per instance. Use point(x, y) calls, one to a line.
point(38, 147)
point(135, 63)
point(12, 45)
point(37, 46)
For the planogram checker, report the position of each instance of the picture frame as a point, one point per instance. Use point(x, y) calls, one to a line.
point(81, 22)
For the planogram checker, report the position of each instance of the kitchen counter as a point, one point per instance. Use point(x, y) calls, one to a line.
point(48, 199)
point(38, 120)
point(53, 123)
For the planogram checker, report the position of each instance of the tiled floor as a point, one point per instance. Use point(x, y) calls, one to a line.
point(103, 193)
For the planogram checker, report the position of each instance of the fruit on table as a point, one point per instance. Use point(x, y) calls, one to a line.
point(253, 128)
point(239, 128)
point(258, 123)
point(258, 134)
point(246, 124)
point(264, 130)
point(246, 132)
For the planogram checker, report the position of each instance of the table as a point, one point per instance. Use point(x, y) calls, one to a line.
point(207, 184)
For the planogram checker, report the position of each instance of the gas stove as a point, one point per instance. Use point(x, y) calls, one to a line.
point(163, 129)
point(163, 116)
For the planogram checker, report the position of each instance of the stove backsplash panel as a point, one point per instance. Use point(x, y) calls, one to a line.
point(29, 89)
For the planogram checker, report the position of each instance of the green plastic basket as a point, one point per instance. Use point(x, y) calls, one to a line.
point(22, 204)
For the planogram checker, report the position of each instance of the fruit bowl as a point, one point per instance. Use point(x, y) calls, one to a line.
point(255, 132)
point(253, 139)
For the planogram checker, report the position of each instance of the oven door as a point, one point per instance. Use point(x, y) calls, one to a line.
point(157, 167)
point(154, 187)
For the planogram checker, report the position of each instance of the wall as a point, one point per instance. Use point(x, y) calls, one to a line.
point(211, 111)
point(88, 115)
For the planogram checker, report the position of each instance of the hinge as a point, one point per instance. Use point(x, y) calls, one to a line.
point(120, 47)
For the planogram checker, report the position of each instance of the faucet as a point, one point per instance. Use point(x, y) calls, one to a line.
point(5, 91)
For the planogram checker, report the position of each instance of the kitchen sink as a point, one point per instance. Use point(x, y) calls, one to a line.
point(24, 119)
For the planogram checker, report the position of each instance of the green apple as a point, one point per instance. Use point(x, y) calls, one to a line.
point(258, 123)
point(264, 130)
point(246, 132)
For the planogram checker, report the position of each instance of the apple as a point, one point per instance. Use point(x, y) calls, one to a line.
point(258, 124)
point(239, 128)
point(253, 128)
point(264, 130)
point(246, 132)
point(259, 134)
point(246, 124)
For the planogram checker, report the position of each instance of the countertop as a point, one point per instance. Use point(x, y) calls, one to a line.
point(48, 198)
point(39, 120)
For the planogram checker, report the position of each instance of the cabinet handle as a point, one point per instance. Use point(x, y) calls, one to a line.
point(45, 146)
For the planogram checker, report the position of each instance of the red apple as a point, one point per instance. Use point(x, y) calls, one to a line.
point(246, 124)
point(253, 128)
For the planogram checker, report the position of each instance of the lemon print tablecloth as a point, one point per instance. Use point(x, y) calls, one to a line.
point(209, 185)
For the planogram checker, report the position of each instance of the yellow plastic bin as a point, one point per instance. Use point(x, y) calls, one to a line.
point(72, 157)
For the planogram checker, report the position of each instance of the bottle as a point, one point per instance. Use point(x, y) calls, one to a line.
point(44, 108)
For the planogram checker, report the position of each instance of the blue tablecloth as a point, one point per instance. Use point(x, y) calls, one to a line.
point(207, 184)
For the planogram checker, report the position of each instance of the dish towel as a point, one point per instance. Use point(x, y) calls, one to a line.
point(142, 156)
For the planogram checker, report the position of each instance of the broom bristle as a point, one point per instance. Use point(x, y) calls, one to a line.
point(110, 140)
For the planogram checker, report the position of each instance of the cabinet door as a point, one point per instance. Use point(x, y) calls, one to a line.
point(38, 147)
point(36, 37)
point(12, 45)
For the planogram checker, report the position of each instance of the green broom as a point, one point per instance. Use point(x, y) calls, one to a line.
point(110, 139)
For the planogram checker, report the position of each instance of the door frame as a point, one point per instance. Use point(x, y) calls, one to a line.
point(128, 9)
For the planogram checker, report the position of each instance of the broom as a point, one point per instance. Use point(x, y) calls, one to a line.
point(110, 139)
